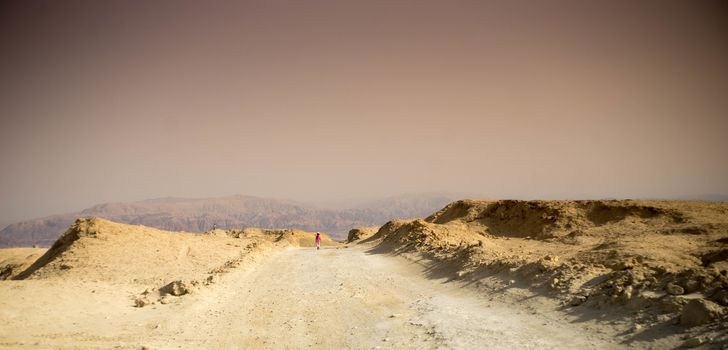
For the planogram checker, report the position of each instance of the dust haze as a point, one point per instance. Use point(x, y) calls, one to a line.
point(323, 100)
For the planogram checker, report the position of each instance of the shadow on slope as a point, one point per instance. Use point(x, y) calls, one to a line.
point(649, 258)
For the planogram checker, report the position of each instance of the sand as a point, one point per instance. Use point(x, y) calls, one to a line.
point(495, 274)
point(662, 263)
point(290, 298)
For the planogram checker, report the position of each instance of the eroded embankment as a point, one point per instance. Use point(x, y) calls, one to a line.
point(663, 260)
point(162, 264)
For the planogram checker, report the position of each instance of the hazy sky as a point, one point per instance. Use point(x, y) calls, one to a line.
point(320, 100)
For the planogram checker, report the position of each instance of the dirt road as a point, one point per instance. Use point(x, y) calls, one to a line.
point(350, 299)
point(344, 298)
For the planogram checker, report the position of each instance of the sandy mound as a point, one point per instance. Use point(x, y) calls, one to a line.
point(13, 261)
point(361, 233)
point(158, 262)
point(99, 250)
point(295, 238)
point(651, 256)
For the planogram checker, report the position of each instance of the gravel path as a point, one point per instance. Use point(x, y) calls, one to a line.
point(350, 299)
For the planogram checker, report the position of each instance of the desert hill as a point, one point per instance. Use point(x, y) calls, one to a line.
point(616, 273)
point(199, 215)
point(109, 285)
point(138, 258)
point(658, 258)
point(101, 250)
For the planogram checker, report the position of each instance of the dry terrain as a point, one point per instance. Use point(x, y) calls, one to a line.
point(200, 214)
point(663, 263)
point(495, 274)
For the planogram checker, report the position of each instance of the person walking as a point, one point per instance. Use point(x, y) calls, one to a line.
point(318, 240)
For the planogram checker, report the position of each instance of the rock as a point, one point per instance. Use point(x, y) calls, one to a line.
point(663, 318)
point(551, 258)
point(692, 286)
point(141, 302)
point(674, 289)
point(670, 304)
point(213, 279)
point(624, 264)
point(578, 300)
point(178, 288)
point(6, 272)
point(628, 292)
point(165, 300)
point(700, 311)
point(694, 342)
point(720, 297)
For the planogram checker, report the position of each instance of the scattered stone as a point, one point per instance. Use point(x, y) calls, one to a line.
point(694, 342)
point(6, 272)
point(578, 300)
point(720, 297)
point(551, 258)
point(692, 286)
point(700, 311)
point(628, 292)
point(674, 289)
point(179, 287)
point(625, 264)
point(670, 304)
point(664, 318)
point(165, 300)
point(141, 302)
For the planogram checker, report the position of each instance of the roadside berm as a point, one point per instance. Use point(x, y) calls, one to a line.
point(160, 264)
point(661, 262)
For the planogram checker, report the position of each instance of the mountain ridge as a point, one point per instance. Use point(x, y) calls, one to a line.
point(231, 212)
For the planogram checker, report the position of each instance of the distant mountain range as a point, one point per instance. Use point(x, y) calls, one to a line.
point(200, 214)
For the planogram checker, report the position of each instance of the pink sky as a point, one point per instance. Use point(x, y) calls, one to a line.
point(321, 100)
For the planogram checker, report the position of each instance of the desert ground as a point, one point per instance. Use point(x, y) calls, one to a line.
point(477, 274)
point(294, 298)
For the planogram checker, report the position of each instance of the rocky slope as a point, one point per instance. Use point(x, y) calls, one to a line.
point(94, 249)
point(666, 261)
point(199, 215)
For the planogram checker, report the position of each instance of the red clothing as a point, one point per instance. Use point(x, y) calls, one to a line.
point(318, 239)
